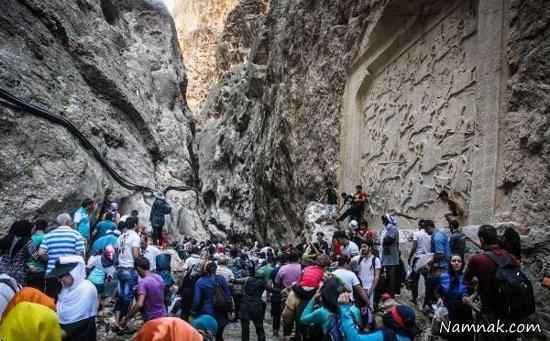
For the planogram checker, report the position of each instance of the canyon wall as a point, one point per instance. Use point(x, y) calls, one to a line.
point(199, 25)
point(448, 100)
point(114, 69)
point(276, 143)
point(433, 106)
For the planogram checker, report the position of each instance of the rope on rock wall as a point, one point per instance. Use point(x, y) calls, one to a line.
point(9, 100)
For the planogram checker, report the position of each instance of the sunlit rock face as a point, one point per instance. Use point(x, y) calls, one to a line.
point(199, 25)
point(114, 69)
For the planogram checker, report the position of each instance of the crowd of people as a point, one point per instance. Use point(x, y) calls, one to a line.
point(54, 279)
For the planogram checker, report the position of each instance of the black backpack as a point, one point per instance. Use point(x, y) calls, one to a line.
point(221, 303)
point(516, 299)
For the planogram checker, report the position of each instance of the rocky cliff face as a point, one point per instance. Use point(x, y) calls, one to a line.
point(199, 25)
point(410, 99)
point(277, 141)
point(524, 169)
point(115, 70)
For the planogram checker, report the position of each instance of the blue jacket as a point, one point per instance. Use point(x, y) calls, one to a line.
point(452, 291)
point(101, 243)
point(440, 245)
point(203, 300)
point(103, 226)
point(322, 316)
point(349, 328)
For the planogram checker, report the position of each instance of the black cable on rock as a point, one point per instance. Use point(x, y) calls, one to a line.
point(13, 102)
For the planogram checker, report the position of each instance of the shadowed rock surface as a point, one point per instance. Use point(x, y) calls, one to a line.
point(114, 69)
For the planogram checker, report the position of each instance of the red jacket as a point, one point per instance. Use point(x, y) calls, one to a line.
point(312, 276)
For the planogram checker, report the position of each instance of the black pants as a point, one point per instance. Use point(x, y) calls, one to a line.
point(393, 281)
point(245, 329)
point(52, 288)
point(237, 301)
point(157, 234)
point(84, 330)
point(36, 280)
point(219, 333)
point(415, 278)
point(276, 309)
point(459, 313)
point(353, 212)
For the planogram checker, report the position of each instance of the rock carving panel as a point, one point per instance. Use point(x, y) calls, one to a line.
point(417, 109)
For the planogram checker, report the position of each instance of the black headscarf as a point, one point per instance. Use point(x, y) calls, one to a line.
point(21, 229)
point(332, 288)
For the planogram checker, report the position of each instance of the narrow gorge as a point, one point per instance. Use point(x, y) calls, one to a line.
point(257, 105)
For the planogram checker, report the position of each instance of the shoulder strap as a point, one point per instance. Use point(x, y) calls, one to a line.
point(8, 283)
point(499, 261)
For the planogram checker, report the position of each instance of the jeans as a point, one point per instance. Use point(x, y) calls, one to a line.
point(127, 281)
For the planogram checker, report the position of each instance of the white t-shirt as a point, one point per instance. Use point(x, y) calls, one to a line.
point(351, 249)
point(124, 245)
point(348, 278)
point(225, 272)
point(192, 262)
point(366, 272)
point(151, 253)
point(423, 242)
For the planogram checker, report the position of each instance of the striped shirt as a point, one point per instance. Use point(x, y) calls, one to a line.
point(62, 241)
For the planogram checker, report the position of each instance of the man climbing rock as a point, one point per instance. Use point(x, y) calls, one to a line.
point(357, 206)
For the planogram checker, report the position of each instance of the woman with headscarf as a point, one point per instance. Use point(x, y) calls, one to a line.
point(31, 295)
point(204, 300)
point(398, 324)
point(389, 254)
point(323, 308)
point(14, 249)
point(206, 325)
point(167, 329)
point(252, 306)
point(77, 302)
point(30, 321)
point(452, 290)
point(8, 289)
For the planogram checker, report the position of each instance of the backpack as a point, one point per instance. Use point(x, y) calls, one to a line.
point(334, 332)
point(516, 299)
point(187, 289)
point(221, 304)
point(389, 335)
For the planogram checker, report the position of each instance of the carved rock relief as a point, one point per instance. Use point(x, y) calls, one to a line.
point(418, 113)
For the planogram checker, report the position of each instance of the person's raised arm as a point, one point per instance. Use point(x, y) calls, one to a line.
point(310, 315)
